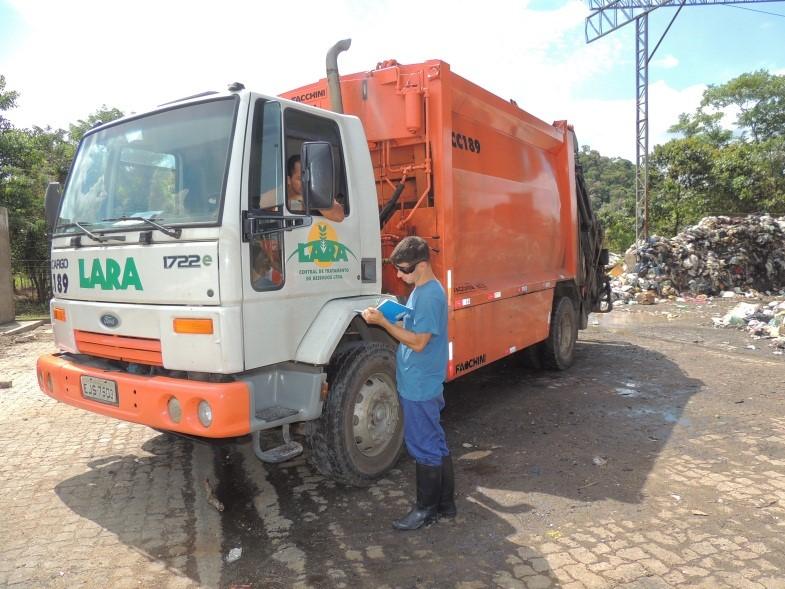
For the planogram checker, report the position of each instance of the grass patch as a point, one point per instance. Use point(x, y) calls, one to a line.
point(31, 311)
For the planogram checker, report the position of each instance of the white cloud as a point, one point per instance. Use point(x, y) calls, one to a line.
point(78, 56)
point(665, 106)
point(666, 62)
point(609, 125)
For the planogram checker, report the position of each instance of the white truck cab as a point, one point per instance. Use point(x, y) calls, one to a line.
point(191, 294)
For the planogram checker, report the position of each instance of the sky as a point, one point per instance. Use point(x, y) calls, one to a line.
point(67, 59)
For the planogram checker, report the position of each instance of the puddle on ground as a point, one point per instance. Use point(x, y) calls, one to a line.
point(626, 392)
point(669, 415)
point(623, 319)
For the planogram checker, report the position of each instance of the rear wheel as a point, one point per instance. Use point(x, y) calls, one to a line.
point(558, 351)
point(360, 433)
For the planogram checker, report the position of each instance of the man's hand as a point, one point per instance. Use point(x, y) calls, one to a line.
point(334, 213)
point(373, 316)
point(416, 341)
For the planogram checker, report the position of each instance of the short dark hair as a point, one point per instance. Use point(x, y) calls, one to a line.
point(293, 159)
point(411, 250)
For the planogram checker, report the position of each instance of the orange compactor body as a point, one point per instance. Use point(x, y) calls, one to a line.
point(489, 186)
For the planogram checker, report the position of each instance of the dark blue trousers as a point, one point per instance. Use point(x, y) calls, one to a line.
point(422, 430)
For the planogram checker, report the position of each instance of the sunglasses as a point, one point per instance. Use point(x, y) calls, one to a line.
point(409, 269)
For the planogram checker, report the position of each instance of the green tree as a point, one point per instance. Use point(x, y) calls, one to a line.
point(707, 126)
point(611, 186)
point(7, 102)
point(103, 115)
point(750, 177)
point(760, 98)
point(29, 160)
point(712, 170)
point(681, 183)
point(37, 156)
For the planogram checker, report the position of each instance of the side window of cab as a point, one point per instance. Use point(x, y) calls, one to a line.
point(300, 127)
point(266, 188)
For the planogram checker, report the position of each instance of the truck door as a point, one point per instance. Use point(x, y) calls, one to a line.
point(290, 274)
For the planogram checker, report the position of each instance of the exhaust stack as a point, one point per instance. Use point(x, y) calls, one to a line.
point(333, 80)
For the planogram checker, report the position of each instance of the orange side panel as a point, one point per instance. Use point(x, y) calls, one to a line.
point(489, 186)
point(117, 347)
point(486, 333)
point(144, 399)
point(569, 203)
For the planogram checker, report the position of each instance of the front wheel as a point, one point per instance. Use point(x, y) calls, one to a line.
point(360, 433)
point(558, 351)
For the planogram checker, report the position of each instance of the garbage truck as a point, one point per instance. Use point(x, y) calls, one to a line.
point(192, 296)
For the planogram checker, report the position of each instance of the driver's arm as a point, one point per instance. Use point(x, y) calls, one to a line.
point(334, 213)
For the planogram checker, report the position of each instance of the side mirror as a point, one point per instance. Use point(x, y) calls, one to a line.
point(51, 205)
point(318, 174)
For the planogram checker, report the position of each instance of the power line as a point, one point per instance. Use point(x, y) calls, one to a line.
point(755, 10)
point(609, 15)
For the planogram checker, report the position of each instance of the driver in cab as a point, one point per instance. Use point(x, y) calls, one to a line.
point(294, 194)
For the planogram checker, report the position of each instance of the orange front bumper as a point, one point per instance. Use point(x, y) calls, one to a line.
point(144, 399)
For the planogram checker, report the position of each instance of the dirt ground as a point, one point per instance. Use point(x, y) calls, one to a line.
point(658, 460)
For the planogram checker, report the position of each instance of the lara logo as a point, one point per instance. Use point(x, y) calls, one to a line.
point(322, 247)
point(324, 251)
point(109, 275)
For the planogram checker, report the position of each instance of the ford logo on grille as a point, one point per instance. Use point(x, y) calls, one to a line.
point(109, 320)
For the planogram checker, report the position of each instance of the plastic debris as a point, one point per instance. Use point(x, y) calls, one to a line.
point(760, 321)
point(720, 256)
point(211, 498)
point(234, 554)
point(738, 316)
point(646, 298)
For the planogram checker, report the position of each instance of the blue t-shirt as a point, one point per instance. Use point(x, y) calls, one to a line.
point(420, 375)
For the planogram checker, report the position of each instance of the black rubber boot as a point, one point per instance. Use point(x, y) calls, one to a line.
point(447, 506)
point(429, 480)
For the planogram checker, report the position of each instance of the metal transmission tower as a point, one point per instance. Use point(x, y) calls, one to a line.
point(607, 16)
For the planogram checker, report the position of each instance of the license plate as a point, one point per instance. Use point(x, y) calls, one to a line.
point(99, 389)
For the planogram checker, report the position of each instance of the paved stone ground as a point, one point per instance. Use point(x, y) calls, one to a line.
point(658, 460)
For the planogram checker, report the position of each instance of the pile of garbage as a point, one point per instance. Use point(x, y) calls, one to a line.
point(718, 255)
point(762, 321)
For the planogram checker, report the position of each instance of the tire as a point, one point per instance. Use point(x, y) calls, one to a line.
point(558, 351)
point(359, 436)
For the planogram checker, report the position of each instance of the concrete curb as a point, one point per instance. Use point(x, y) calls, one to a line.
point(14, 329)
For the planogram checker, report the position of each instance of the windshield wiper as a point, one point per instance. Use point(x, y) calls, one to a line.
point(90, 234)
point(175, 233)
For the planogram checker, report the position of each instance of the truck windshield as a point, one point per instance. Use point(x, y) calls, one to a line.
point(168, 167)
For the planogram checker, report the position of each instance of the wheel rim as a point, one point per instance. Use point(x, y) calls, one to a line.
point(375, 418)
point(565, 335)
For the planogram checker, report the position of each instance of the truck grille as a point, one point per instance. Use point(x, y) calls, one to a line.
point(118, 347)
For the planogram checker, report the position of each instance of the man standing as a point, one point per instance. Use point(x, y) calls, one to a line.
point(421, 363)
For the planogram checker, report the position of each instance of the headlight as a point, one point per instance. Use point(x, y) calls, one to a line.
point(175, 411)
point(205, 413)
